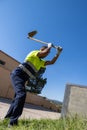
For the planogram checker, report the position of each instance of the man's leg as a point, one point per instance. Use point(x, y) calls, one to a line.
point(10, 110)
point(19, 87)
point(18, 107)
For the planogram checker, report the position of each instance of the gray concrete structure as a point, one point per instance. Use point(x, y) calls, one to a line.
point(75, 100)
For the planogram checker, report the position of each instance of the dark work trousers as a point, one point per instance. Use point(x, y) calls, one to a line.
point(18, 78)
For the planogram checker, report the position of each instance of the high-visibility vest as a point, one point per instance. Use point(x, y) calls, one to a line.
point(35, 60)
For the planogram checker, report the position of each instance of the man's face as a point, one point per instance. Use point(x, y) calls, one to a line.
point(45, 54)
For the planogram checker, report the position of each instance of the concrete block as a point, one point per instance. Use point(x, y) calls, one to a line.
point(75, 100)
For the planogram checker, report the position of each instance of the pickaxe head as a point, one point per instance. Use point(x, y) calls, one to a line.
point(31, 34)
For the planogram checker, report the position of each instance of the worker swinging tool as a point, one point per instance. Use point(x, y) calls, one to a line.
point(35, 85)
point(30, 70)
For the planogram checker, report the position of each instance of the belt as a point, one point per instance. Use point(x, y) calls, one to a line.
point(27, 71)
point(31, 65)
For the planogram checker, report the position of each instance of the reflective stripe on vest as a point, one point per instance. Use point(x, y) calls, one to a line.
point(33, 67)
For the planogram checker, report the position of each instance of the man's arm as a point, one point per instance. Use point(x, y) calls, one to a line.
point(44, 51)
point(54, 58)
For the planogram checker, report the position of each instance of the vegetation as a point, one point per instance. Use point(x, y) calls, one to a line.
point(73, 123)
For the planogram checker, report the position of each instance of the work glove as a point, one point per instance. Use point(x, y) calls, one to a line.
point(59, 48)
point(49, 45)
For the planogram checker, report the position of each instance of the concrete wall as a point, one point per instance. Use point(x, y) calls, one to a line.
point(10, 63)
point(75, 100)
point(6, 89)
point(5, 84)
point(41, 101)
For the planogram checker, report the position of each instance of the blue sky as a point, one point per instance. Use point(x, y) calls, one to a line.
point(62, 22)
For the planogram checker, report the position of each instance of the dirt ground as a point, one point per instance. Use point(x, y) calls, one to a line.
point(29, 112)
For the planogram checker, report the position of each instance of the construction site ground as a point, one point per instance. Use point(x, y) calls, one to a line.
point(30, 111)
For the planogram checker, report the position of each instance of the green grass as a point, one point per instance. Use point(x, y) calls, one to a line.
point(73, 123)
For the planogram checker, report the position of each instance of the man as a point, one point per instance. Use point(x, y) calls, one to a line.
point(29, 68)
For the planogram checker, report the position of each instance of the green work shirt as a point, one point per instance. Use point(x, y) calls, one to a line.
point(35, 60)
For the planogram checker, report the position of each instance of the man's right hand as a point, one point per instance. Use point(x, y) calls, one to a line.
point(49, 45)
